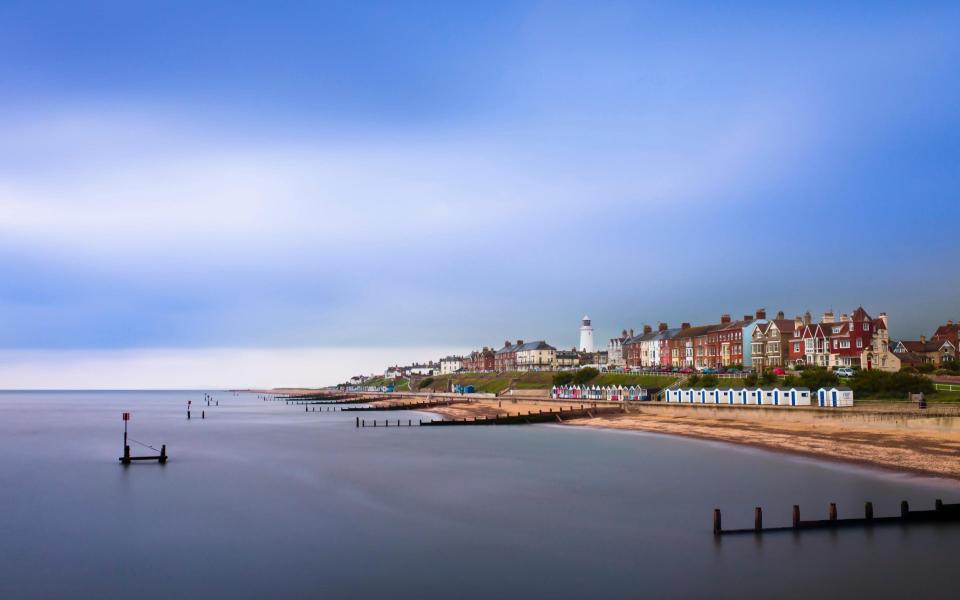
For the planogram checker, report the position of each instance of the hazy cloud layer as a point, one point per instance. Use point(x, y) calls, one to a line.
point(456, 177)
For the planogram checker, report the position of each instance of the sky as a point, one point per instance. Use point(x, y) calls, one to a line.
point(234, 194)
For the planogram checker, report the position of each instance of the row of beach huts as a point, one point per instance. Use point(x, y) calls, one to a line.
point(832, 397)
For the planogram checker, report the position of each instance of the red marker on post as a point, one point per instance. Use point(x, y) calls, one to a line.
point(126, 417)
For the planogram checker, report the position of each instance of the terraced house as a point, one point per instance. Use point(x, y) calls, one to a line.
point(536, 356)
point(770, 343)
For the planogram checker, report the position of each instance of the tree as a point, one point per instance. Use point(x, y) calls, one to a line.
point(694, 379)
point(562, 378)
point(709, 381)
point(768, 378)
point(750, 380)
point(925, 368)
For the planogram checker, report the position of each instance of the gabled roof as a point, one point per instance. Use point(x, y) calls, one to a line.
point(928, 346)
point(949, 330)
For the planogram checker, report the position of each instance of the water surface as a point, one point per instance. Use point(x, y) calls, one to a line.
point(264, 500)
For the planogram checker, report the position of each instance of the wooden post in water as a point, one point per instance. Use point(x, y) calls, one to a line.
point(717, 527)
point(904, 509)
point(833, 512)
point(938, 504)
point(758, 519)
point(163, 454)
point(203, 414)
point(126, 454)
point(358, 422)
point(868, 511)
point(796, 516)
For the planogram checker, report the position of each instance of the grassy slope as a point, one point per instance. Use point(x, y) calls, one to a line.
point(497, 382)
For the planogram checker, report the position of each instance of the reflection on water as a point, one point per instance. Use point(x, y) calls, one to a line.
point(261, 499)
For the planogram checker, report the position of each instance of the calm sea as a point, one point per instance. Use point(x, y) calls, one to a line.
point(263, 500)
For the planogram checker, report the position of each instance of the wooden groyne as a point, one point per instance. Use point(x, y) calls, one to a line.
point(940, 513)
point(406, 406)
point(542, 416)
point(352, 400)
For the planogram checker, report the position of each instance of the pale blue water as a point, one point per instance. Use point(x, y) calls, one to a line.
point(264, 500)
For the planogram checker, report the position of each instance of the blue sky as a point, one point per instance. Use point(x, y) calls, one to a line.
point(410, 178)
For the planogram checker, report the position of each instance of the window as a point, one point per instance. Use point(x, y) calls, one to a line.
point(836, 330)
point(859, 343)
point(844, 343)
point(866, 326)
point(796, 348)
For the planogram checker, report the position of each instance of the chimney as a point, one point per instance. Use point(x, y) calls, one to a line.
point(949, 321)
point(624, 333)
point(761, 313)
point(923, 339)
point(780, 315)
point(844, 317)
point(647, 329)
point(883, 317)
point(747, 318)
point(662, 327)
point(507, 343)
point(685, 326)
point(797, 322)
point(724, 319)
point(519, 342)
point(828, 316)
point(631, 333)
point(807, 318)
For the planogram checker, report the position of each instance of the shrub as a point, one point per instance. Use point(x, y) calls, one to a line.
point(694, 379)
point(709, 381)
point(799, 366)
point(880, 383)
point(584, 375)
point(818, 377)
point(951, 365)
point(925, 368)
point(767, 378)
point(563, 378)
point(792, 381)
point(750, 380)
point(424, 383)
point(908, 369)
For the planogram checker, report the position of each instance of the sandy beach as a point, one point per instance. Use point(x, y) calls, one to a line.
point(884, 435)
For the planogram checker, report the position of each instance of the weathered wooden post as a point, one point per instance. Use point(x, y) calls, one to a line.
point(409, 422)
point(868, 511)
point(758, 519)
point(717, 527)
point(904, 509)
point(358, 422)
point(938, 505)
point(163, 454)
point(203, 414)
point(833, 512)
point(796, 516)
point(126, 454)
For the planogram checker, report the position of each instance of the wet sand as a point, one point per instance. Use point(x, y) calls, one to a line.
point(883, 435)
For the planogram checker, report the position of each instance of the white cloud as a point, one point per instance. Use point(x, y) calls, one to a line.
point(219, 368)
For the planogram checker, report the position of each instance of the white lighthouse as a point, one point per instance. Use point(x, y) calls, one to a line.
point(586, 335)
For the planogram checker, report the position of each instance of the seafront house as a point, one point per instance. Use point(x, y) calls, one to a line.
point(536, 356)
point(934, 352)
point(770, 343)
point(615, 356)
point(567, 359)
point(950, 332)
point(451, 364)
point(505, 359)
point(480, 361)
